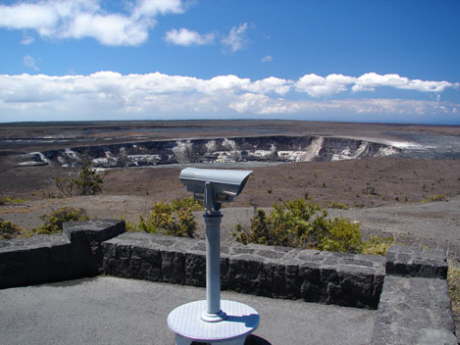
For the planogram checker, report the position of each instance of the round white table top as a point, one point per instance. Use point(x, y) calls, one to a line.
point(186, 321)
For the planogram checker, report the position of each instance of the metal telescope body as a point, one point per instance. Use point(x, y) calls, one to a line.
point(213, 186)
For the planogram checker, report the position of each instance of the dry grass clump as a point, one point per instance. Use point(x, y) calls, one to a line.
point(6, 200)
point(54, 221)
point(453, 279)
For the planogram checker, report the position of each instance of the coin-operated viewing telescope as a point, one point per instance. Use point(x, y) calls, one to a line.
point(205, 321)
point(214, 186)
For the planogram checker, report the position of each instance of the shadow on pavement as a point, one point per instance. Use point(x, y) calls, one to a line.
point(250, 340)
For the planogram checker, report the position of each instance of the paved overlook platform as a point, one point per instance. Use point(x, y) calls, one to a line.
point(116, 311)
point(98, 285)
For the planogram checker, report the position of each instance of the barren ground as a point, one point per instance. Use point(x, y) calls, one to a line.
point(129, 192)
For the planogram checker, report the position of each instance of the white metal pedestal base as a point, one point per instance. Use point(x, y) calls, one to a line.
point(186, 322)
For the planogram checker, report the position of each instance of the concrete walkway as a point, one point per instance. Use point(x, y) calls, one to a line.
point(114, 311)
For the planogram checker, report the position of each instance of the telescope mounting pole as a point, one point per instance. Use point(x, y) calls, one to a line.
point(212, 218)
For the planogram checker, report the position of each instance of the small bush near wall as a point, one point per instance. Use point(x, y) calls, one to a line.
point(53, 221)
point(304, 224)
point(9, 230)
point(342, 236)
point(377, 245)
point(338, 205)
point(453, 279)
point(174, 218)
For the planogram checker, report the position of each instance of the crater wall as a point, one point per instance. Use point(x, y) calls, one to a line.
point(213, 150)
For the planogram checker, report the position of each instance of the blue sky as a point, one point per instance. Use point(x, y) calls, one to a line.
point(367, 61)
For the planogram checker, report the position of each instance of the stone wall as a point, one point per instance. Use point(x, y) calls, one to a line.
point(311, 275)
point(48, 258)
point(412, 262)
point(414, 307)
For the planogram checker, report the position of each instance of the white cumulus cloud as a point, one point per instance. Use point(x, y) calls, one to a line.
point(236, 38)
point(125, 95)
point(185, 37)
point(250, 103)
point(86, 18)
point(271, 84)
point(370, 81)
point(318, 86)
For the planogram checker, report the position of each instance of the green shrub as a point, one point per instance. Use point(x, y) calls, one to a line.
point(184, 203)
point(174, 218)
point(303, 224)
point(437, 197)
point(291, 223)
point(8, 230)
point(129, 226)
point(64, 185)
point(53, 221)
point(6, 200)
point(342, 236)
point(88, 182)
point(258, 233)
point(377, 245)
point(338, 205)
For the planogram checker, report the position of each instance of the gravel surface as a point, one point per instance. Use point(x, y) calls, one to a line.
point(434, 224)
point(440, 220)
